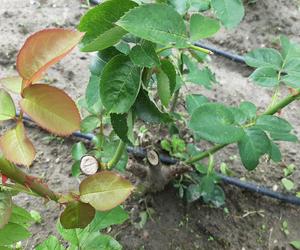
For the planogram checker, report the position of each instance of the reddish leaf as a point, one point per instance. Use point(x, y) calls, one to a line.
point(51, 108)
point(77, 215)
point(16, 147)
point(12, 84)
point(105, 190)
point(43, 49)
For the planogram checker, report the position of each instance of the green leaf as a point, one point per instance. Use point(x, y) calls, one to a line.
point(295, 244)
point(13, 233)
point(214, 122)
point(7, 106)
point(119, 123)
point(105, 190)
point(99, 25)
point(292, 66)
point(266, 77)
point(283, 137)
point(289, 49)
point(76, 169)
point(77, 215)
point(193, 192)
point(163, 87)
point(273, 124)
point(171, 31)
point(89, 123)
point(264, 57)
point(21, 216)
point(181, 6)
point(194, 101)
point(252, 146)
point(92, 95)
point(168, 68)
point(230, 12)
point(147, 110)
point(5, 208)
point(96, 241)
point(51, 243)
point(249, 109)
point(99, 60)
point(292, 80)
point(198, 76)
point(203, 27)
point(102, 220)
point(119, 84)
point(239, 116)
point(73, 236)
point(78, 150)
point(287, 184)
point(275, 153)
point(144, 55)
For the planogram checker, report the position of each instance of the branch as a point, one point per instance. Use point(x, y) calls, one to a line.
point(270, 111)
point(14, 173)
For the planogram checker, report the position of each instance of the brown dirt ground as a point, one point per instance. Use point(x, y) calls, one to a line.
point(174, 225)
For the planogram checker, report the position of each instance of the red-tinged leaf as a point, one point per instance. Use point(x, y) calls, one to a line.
point(5, 208)
point(7, 106)
point(12, 84)
point(3, 179)
point(77, 215)
point(43, 49)
point(105, 190)
point(51, 108)
point(16, 147)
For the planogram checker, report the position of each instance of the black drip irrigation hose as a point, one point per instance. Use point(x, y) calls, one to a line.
point(166, 159)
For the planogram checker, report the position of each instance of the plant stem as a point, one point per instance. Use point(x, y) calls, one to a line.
point(283, 103)
point(205, 154)
point(14, 173)
point(206, 51)
point(270, 111)
point(117, 156)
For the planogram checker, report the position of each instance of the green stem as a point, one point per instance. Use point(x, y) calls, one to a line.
point(206, 51)
point(117, 156)
point(158, 51)
point(14, 173)
point(270, 111)
point(283, 103)
point(205, 154)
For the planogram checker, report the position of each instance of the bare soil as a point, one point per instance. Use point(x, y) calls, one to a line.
point(252, 221)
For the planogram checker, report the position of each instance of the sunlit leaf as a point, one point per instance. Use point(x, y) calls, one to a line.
point(119, 84)
point(5, 208)
point(99, 25)
point(171, 30)
point(7, 106)
point(16, 147)
point(230, 12)
point(13, 84)
point(108, 218)
point(77, 215)
point(51, 108)
point(51, 243)
point(13, 233)
point(203, 27)
point(105, 190)
point(43, 49)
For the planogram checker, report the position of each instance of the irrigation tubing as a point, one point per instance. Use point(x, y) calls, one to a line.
point(166, 159)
